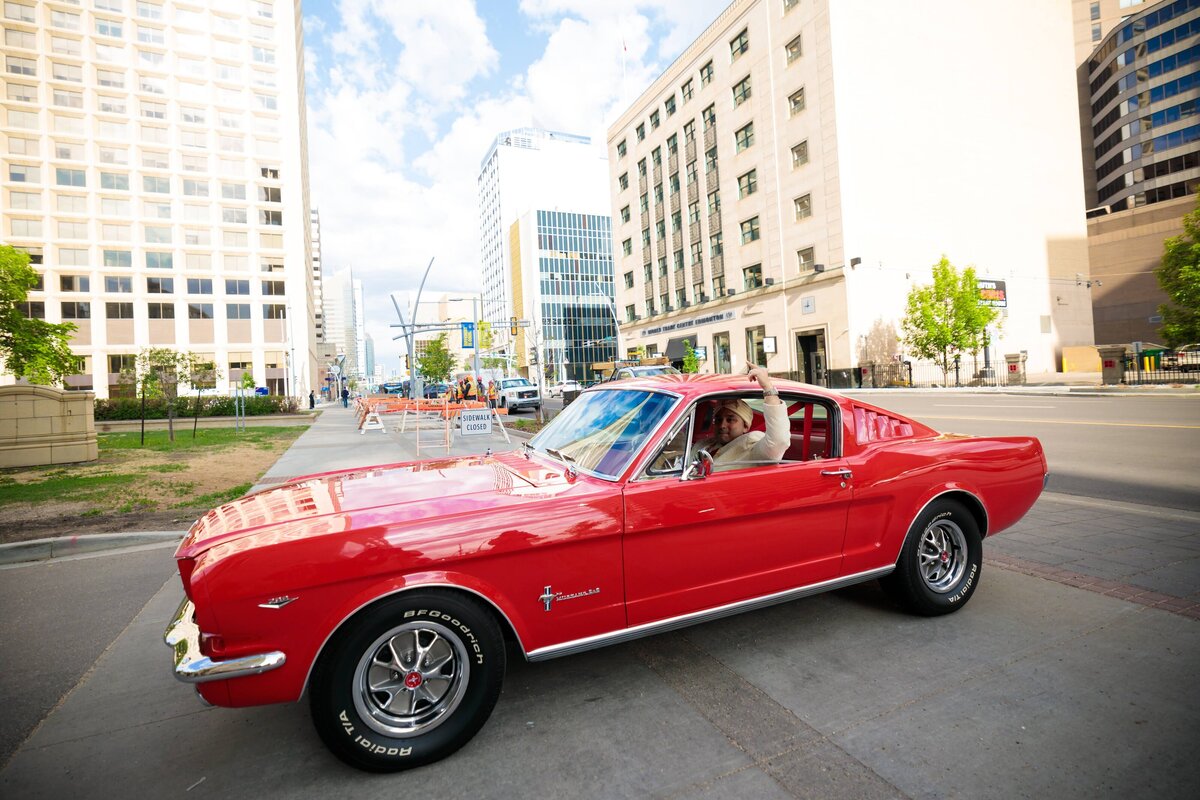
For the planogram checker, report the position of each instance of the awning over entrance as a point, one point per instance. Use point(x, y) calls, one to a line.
point(675, 349)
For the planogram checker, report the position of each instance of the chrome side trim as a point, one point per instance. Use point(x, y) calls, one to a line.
point(697, 617)
point(192, 666)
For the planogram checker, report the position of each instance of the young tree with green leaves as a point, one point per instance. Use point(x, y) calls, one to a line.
point(691, 364)
point(945, 319)
point(33, 349)
point(1179, 277)
point(160, 371)
point(436, 363)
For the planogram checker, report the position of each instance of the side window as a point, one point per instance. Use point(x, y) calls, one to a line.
point(813, 430)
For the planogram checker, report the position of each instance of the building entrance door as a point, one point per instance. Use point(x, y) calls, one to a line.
point(810, 350)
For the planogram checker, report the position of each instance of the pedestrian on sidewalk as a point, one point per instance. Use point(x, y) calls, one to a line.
point(345, 398)
point(312, 401)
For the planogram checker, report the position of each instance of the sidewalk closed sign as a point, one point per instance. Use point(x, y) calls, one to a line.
point(475, 421)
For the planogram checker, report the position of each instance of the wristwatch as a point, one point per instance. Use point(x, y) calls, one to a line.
point(770, 393)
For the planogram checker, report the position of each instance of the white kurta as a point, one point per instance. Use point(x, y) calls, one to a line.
point(755, 445)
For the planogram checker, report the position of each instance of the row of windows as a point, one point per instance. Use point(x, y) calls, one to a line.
point(1139, 27)
point(123, 284)
point(153, 234)
point(1146, 98)
point(148, 109)
point(257, 10)
point(72, 310)
point(1142, 76)
point(1143, 49)
point(1158, 144)
point(1158, 119)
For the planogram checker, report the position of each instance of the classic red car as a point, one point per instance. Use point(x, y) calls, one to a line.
point(388, 593)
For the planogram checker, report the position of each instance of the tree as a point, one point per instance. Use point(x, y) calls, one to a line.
point(691, 364)
point(945, 319)
point(33, 349)
point(1179, 277)
point(161, 370)
point(436, 363)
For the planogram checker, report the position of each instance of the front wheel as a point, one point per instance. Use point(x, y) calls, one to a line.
point(408, 682)
point(941, 561)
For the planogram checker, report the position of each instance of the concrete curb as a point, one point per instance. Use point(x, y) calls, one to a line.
point(62, 546)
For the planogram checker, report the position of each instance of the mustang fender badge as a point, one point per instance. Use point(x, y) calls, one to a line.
point(277, 602)
point(549, 596)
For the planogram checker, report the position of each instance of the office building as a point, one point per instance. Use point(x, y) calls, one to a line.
point(155, 168)
point(1139, 91)
point(784, 184)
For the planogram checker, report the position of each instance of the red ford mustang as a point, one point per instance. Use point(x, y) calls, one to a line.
point(387, 593)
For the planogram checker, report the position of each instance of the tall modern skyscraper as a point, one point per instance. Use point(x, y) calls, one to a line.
point(1139, 93)
point(155, 169)
point(528, 170)
point(781, 187)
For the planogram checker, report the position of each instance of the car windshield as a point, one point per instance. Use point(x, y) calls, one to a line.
point(510, 383)
point(603, 431)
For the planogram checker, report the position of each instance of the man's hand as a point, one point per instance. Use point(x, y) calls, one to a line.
point(759, 374)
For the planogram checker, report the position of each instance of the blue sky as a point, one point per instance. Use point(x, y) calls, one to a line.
point(405, 96)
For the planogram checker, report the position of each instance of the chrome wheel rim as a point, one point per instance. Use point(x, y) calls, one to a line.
point(411, 679)
point(942, 555)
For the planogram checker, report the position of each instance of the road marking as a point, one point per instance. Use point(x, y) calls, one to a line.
point(978, 405)
point(1065, 422)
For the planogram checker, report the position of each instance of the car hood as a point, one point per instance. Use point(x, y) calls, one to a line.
point(330, 502)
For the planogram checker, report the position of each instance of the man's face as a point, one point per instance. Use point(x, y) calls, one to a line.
point(728, 425)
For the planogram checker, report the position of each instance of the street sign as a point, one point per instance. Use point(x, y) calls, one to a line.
point(468, 336)
point(524, 323)
point(334, 369)
point(475, 421)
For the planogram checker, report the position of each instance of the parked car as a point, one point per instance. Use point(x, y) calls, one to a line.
point(643, 371)
point(566, 386)
point(386, 593)
point(1184, 359)
point(518, 393)
point(434, 391)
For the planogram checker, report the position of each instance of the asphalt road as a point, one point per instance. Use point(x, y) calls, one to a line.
point(1134, 449)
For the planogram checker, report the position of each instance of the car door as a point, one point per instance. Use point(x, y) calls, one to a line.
point(732, 536)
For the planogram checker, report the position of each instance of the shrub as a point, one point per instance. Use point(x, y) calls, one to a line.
point(120, 408)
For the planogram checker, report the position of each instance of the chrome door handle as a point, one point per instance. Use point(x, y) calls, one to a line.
point(842, 473)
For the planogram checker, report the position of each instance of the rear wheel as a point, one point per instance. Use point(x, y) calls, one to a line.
point(940, 564)
point(409, 682)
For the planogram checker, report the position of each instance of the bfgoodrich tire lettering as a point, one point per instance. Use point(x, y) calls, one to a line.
point(941, 561)
point(408, 682)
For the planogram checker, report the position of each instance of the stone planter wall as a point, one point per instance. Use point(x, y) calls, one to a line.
point(42, 425)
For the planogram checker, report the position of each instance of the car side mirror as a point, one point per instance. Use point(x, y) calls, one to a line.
point(701, 468)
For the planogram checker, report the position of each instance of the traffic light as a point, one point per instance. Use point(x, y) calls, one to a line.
point(407, 368)
point(512, 326)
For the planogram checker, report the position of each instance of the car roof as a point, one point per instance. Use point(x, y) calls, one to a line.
point(693, 386)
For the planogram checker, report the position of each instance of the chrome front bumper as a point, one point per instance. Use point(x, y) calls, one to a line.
point(192, 666)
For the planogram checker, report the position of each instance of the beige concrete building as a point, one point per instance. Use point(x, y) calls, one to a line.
point(1139, 101)
point(155, 168)
point(802, 165)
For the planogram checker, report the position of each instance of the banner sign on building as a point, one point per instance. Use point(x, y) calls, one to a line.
point(719, 316)
point(468, 336)
point(993, 293)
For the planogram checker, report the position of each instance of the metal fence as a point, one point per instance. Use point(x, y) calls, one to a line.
point(1157, 367)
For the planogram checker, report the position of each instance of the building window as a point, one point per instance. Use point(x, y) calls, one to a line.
point(739, 45)
point(118, 310)
point(20, 66)
point(627, 246)
point(752, 276)
point(693, 212)
point(273, 288)
point(716, 245)
point(669, 105)
point(714, 203)
point(122, 363)
point(630, 314)
point(160, 310)
point(267, 217)
point(76, 310)
point(654, 119)
point(200, 310)
point(744, 137)
point(686, 90)
point(803, 206)
point(629, 280)
point(1094, 11)
point(796, 102)
point(710, 116)
point(706, 74)
point(741, 91)
point(793, 50)
point(237, 287)
point(24, 173)
point(200, 286)
point(623, 180)
point(625, 214)
point(750, 232)
point(69, 177)
point(748, 183)
point(641, 131)
point(800, 154)
point(804, 259)
point(756, 352)
point(118, 258)
point(718, 285)
point(621, 149)
point(160, 285)
point(151, 183)
point(788, 5)
point(74, 283)
point(159, 260)
point(1096, 32)
point(274, 311)
point(19, 12)
point(118, 284)
point(237, 310)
